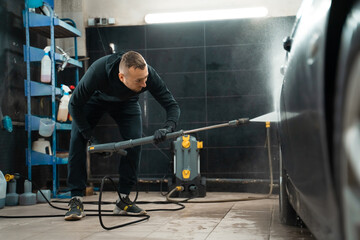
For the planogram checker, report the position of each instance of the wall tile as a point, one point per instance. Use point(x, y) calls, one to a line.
point(237, 162)
point(156, 114)
point(177, 35)
point(95, 55)
point(155, 163)
point(177, 60)
point(99, 38)
point(108, 166)
point(228, 108)
point(243, 57)
point(248, 135)
point(234, 83)
point(185, 84)
point(234, 32)
point(192, 110)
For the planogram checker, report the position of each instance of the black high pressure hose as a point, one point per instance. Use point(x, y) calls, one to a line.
point(99, 207)
point(100, 213)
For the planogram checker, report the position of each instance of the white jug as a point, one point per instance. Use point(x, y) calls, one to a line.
point(43, 146)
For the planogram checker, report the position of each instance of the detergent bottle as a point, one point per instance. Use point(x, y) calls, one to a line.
point(12, 198)
point(27, 198)
point(46, 66)
point(2, 190)
point(72, 87)
point(63, 106)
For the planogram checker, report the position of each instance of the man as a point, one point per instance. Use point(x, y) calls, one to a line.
point(112, 84)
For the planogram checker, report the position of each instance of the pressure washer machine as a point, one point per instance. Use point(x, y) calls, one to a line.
point(186, 151)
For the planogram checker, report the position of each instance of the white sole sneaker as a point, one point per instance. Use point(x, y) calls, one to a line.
point(74, 217)
point(118, 211)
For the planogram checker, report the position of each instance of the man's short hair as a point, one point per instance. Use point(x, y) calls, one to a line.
point(131, 59)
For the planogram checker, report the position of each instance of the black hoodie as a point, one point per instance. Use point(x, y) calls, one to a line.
point(101, 81)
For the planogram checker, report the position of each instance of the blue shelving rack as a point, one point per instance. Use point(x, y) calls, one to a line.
point(52, 28)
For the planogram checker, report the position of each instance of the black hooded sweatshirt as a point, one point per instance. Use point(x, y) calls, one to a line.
point(101, 81)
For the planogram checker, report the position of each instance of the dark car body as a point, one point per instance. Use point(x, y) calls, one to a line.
point(319, 120)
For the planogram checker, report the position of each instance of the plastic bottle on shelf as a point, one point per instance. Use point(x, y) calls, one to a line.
point(27, 198)
point(46, 66)
point(63, 106)
point(2, 190)
point(40, 198)
point(72, 87)
point(12, 198)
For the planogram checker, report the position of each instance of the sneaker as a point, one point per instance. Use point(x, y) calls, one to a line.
point(76, 210)
point(126, 207)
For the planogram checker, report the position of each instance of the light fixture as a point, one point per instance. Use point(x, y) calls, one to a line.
point(207, 15)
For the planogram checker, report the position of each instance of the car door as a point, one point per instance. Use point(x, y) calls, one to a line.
point(305, 153)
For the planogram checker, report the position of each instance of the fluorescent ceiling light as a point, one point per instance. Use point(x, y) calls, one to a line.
point(206, 15)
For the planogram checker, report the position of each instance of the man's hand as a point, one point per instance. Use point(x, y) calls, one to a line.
point(160, 134)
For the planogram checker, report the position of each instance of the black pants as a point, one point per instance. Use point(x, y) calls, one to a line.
point(127, 116)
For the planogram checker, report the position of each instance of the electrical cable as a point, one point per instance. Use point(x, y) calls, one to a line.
point(99, 208)
point(100, 213)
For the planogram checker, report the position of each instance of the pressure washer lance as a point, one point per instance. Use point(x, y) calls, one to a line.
point(120, 146)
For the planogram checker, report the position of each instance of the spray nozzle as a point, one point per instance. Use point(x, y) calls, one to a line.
point(238, 122)
point(65, 59)
point(47, 49)
point(6, 123)
point(66, 56)
point(66, 89)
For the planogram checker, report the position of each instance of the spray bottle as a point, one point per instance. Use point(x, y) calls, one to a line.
point(27, 198)
point(46, 66)
point(72, 87)
point(63, 106)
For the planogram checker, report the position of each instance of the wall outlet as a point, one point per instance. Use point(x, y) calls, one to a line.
point(111, 21)
point(91, 22)
point(104, 21)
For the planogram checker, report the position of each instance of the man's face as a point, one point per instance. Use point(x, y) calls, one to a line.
point(134, 79)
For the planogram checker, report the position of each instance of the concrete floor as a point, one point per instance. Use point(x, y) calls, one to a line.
point(211, 221)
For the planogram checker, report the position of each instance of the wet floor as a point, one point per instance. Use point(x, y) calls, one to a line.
point(248, 220)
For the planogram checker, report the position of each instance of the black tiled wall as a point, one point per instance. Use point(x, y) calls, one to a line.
point(12, 104)
point(217, 71)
